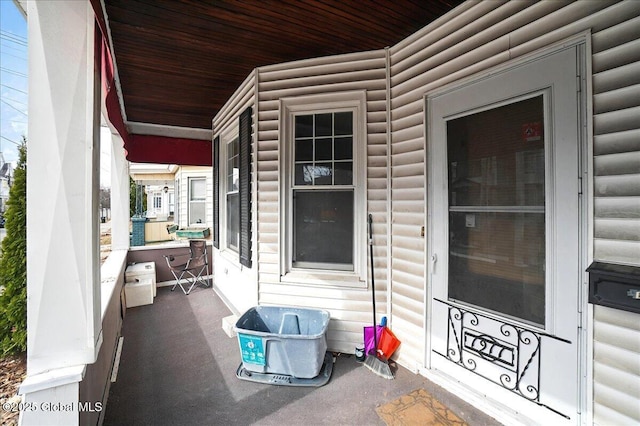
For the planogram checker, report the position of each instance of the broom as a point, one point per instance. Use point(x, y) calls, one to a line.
point(372, 362)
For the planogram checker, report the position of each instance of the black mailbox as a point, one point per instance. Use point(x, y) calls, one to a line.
point(615, 286)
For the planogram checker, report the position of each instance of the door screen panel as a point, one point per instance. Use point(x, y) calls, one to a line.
point(505, 220)
point(496, 191)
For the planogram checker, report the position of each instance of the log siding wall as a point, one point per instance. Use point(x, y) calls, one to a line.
point(473, 38)
point(350, 307)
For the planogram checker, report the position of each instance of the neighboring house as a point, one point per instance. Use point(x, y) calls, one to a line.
point(157, 180)
point(194, 205)
point(175, 194)
point(496, 149)
point(6, 173)
point(160, 201)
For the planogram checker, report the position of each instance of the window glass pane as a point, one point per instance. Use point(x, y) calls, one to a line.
point(496, 157)
point(196, 212)
point(323, 227)
point(177, 191)
point(304, 150)
point(314, 157)
point(233, 177)
point(304, 174)
point(496, 177)
point(343, 123)
point(343, 174)
point(233, 220)
point(233, 166)
point(304, 126)
point(323, 149)
point(324, 124)
point(497, 261)
point(198, 189)
point(197, 195)
point(323, 174)
point(343, 148)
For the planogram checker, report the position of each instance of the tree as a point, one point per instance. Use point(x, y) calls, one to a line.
point(132, 197)
point(13, 263)
point(105, 203)
point(134, 191)
point(105, 197)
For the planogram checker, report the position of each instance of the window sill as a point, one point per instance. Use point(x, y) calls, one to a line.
point(323, 278)
point(231, 257)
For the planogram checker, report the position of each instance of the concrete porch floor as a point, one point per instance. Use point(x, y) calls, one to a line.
point(178, 367)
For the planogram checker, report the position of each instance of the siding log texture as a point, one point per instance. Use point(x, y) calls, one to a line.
point(473, 38)
point(350, 308)
point(237, 285)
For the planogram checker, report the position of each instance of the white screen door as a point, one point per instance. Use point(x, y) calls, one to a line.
point(504, 224)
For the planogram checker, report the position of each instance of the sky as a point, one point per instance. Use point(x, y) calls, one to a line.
point(13, 79)
point(14, 89)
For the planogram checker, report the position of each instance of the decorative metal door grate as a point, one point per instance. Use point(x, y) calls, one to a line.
point(506, 354)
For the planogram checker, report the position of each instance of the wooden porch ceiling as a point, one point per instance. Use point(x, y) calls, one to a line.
point(179, 61)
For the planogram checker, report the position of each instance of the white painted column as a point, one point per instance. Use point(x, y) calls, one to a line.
point(63, 273)
point(165, 202)
point(119, 195)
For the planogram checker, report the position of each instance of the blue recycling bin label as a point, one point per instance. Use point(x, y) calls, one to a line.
point(252, 349)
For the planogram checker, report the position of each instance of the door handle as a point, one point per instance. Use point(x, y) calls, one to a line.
point(434, 259)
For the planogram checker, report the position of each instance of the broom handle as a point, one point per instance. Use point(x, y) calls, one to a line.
point(373, 288)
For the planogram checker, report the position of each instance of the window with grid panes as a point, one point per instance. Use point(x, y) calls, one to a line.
point(233, 200)
point(323, 191)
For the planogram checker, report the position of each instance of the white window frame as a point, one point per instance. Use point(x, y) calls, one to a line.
point(176, 207)
point(226, 138)
point(355, 102)
point(157, 201)
point(235, 140)
point(191, 201)
point(171, 200)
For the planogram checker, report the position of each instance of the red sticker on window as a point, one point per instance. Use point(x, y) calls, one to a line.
point(532, 131)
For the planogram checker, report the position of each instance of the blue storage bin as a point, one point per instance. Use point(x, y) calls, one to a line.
point(283, 340)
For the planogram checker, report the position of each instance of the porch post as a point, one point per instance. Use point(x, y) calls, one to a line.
point(63, 275)
point(119, 195)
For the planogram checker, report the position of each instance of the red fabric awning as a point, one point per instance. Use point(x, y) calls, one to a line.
point(165, 150)
point(143, 148)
